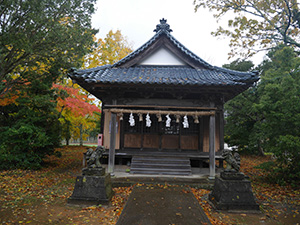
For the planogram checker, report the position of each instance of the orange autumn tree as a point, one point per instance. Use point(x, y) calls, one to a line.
point(78, 112)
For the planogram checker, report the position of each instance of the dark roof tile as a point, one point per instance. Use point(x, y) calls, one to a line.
point(170, 75)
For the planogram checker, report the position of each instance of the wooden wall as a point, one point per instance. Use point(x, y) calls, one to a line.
point(151, 141)
point(189, 142)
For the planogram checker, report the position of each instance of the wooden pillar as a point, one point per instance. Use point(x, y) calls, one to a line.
point(160, 133)
point(142, 134)
point(221, 136)
point(102, 120)
point(212, 162)
point(122, 134)
point(112, 146)
point(221, 133)
point(201, 133)
point(180, 133)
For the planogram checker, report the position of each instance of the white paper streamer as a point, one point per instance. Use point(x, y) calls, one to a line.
point(185, 122)
point(168, 121)
point(131, 120)
point(148, 121)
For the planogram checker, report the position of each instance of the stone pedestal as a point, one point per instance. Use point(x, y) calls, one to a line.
point(232, 191)
point(92, 188)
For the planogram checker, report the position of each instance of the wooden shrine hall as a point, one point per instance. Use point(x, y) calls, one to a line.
point(163, 105)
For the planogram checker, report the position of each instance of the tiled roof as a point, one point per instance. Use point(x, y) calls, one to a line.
point(204, 75)
point(168, 75)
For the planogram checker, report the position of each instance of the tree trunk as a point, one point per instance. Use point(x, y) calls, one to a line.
point(68, 133)
point(81, 134)
point(260, 149)
point(67, 142)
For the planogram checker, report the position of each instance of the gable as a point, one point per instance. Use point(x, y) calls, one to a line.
point(162, 49)
point(162, 57)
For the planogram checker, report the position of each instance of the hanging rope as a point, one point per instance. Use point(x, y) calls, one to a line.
point(162, 112)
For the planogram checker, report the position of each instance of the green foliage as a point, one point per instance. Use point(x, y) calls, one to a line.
point(241, 118)
point(240, 65)
point(30, 128)
point(256, 25)
point(267, 117)
point(40, 40)
point(287, 151)
point(43, 31)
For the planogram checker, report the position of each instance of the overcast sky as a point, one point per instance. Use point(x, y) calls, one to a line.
point(138, 18)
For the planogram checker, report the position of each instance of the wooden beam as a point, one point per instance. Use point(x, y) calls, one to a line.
point(164, 112)
point(160, 107)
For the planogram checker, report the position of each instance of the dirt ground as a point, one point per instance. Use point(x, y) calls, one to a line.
point(39, 197)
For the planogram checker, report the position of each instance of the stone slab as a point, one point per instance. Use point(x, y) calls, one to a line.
point(233, 195)
point(91, 190)
point(157, 205)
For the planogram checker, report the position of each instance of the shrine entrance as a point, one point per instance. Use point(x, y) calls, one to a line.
point(163, 78)
point(162, 130)
point(159, 136)
point(152, 135)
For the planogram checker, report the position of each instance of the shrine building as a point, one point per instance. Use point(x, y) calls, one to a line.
point(166, 105)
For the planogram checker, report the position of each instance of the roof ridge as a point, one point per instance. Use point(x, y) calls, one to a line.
point(238, 73)
point(80, 71)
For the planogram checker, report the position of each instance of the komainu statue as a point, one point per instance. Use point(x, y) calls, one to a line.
point(233, 160)
point(93, 157)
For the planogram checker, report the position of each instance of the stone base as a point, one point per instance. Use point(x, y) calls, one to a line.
point(232, 175)
point(93, 171)
point(229, 194)
point(92, 190)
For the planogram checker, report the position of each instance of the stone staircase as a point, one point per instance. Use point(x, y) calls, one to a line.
point(162, 165)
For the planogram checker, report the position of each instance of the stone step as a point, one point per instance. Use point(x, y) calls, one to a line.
point(159, 165)
point(167, 165)
point(160, 171)
point(161, 161)
point(160, 158)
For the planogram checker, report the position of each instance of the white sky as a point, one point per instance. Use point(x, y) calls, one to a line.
point(138, 18)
